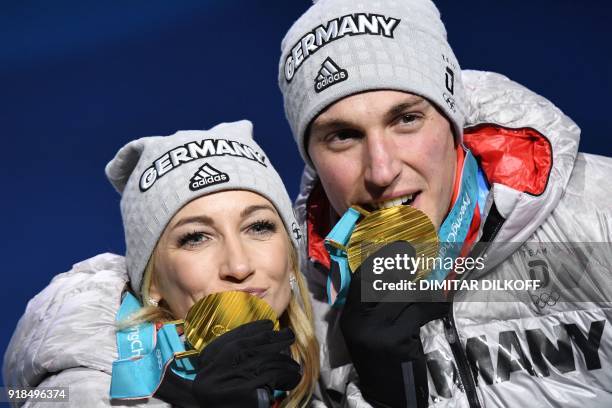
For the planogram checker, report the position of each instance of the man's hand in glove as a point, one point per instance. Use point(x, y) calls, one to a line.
point(384, 344)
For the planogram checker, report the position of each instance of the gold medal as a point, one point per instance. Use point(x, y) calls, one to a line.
point(219, 313)
point(400, 223)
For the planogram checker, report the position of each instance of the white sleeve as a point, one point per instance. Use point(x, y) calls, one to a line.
point(87, 388)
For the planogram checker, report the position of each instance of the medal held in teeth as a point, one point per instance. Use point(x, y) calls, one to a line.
point(384, 226)
point(219, 313)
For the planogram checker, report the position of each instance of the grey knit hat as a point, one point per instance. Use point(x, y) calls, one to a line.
point(339, 48)
point(156, 176)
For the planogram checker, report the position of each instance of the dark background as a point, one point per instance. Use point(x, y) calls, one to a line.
point(80, 79)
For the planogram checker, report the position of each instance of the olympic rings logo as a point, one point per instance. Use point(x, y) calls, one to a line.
point(545, 299)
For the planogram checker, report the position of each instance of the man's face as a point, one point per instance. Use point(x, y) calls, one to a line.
point(382, 148)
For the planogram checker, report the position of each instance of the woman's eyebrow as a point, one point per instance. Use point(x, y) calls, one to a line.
point(253, 208)
point(197, 219)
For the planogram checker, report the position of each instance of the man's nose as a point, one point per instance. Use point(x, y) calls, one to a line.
point(236, 265)
point(382, 165)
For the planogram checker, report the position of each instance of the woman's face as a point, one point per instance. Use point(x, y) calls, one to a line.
point(231, 240)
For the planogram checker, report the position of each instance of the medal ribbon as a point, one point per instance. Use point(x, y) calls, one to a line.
point(335, 244)
point(144, 355)
point(454, 229)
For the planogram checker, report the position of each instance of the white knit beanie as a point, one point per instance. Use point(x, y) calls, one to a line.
point(339, 48)
point(156, 176)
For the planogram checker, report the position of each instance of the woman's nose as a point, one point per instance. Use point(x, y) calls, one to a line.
point(236, 265)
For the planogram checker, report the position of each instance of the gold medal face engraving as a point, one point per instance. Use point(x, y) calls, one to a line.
point(221, 312)
point(387, 225)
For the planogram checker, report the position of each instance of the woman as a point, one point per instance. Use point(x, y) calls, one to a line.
point(203, 212)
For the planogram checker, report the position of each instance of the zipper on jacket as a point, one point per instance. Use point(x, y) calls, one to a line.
point(466, 376)
point(465, 373)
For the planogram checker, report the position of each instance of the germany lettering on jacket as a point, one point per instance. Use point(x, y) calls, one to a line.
point(492, 362)
point(352, 24)
point(196, 150)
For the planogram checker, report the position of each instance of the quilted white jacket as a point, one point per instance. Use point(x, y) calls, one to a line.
point(66, 337)
point(552, 349)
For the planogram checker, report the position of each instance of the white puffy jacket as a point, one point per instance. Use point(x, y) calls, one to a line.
point(545, 351)
point(66, 337)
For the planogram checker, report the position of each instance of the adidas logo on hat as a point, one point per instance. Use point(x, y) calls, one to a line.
point(206, 176)
point(329, 74)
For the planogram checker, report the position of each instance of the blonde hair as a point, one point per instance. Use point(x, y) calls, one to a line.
point(298, 316)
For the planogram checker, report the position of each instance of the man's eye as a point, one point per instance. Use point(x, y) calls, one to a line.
point(342, 135)
point(408, 119)
point(262, 227)
point(192, 239)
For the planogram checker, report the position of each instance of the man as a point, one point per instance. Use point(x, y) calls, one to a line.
point(383, 116)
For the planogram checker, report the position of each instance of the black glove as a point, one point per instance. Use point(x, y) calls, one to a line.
point(176, 391)
point(385, 347)
point(241, 368)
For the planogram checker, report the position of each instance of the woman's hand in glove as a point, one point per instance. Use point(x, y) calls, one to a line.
point(241, 368)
